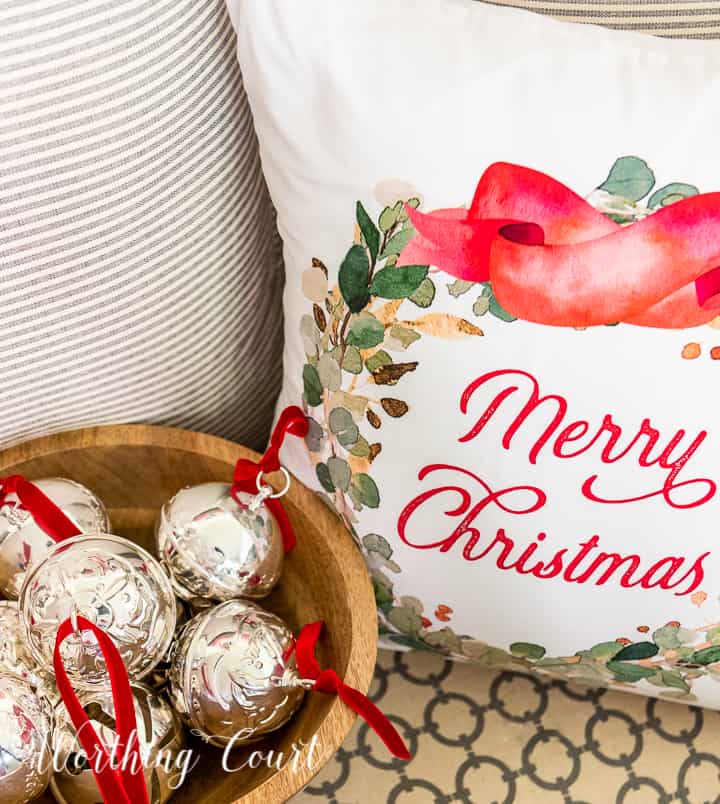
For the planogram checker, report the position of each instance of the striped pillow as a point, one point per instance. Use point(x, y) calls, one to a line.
point(139, 265)
point(691, 19)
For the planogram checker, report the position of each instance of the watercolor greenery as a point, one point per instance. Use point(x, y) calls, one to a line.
point(358, 339)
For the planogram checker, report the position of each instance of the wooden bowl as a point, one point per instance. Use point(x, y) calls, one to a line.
point(134, 469)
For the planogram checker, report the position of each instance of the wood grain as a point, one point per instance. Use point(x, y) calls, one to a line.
point(134, 469)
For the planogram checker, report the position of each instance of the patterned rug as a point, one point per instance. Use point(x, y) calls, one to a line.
point(479, 736)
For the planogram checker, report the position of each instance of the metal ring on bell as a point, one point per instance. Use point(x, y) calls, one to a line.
point(283, 491)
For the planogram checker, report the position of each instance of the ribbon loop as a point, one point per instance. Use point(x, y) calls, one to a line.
point(126, 785)
point(552, 258)
point(328, 682)
point(51, 519)
point(292, 421)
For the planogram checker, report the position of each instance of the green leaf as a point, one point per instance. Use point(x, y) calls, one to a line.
point(706, 655)
point(343, 425)
point(458, 287)
point(312, 386)
point(368, 491)
point(389, 217)
point(413, 603)
point(366, 331)
point(369, 231)
point(360, 447)
point(356, 404)
point(527, 650)
point(397, 242)
point(323, 475)
point(328, 371)
point(629, 673)
point(445, 640)
point(378, 360)
point(425, 294)
point(405, 620)
point(498, 311)
point(669, 678)
point(353, 279)
point(352, 362)
point(671, 193)
point(374, 543)
point(483, 654)
point(667, 637)
point(481, 306)
point(605, 650)
point(383, 588)
point(400, 337)
point(381, 579)
point(630, 177)
point(315, 435)
point(310, 334)
point(638, 650)
point(339, 420)
point(398, 283)
point(339, 473)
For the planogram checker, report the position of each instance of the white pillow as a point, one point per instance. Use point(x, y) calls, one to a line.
point(374, 102)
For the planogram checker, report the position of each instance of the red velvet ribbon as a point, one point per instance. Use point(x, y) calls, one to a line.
point(125, 784)
point(46, 514)
point(552, 258)
point(292, 421)
point(330, 683)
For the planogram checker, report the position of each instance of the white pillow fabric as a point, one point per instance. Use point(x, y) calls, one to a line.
point(525, 440)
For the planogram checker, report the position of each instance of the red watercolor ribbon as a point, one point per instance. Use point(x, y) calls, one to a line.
point(292, 421)
point(552, 258)
point(330, 683)
point(46, 514)
point(126, 784)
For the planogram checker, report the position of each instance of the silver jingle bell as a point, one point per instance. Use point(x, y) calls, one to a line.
point(160, 736)
point(23, 543)
point(219, 545)
point(233, 676)
point(25, 750)
point(116, 585)
point(16, 659)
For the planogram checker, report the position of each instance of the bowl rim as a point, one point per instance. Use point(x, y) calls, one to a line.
point(363, 634)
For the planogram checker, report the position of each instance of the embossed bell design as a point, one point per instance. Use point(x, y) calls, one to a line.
point(221, 541)
point(34, 515)
point(25, 750)
point(238, 673)
point(233, 676)
point(114, 584)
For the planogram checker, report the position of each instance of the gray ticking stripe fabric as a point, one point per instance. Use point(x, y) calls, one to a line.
point(140, 269)
point(686, 19)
